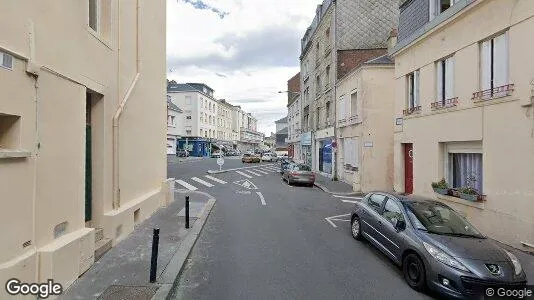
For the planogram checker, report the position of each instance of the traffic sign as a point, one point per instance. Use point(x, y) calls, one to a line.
point(220, 161)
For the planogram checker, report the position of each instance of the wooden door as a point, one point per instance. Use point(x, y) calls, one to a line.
point(408, 168)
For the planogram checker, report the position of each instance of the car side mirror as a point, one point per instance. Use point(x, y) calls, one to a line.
point(399, 224)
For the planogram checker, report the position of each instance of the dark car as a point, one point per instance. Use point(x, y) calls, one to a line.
point(298, 173)
point(182, 153)
point(284, 163)
point(434, 245)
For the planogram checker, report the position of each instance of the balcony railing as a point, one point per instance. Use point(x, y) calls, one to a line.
point(497, 92)
point(411, 110)
point(447, 103)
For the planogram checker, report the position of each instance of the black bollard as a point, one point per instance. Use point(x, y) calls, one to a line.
point(187, 212)
point(154, 258)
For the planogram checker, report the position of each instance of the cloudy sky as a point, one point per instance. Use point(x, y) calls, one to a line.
point(245, 50)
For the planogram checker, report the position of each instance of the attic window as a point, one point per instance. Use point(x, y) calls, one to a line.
point(6, 60)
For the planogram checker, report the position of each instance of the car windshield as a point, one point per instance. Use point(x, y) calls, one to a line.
point(438, 218)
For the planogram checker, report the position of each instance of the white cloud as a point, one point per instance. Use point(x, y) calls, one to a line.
point(246, 57)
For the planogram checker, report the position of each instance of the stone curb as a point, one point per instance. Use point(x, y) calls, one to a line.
point(326, 190)
point(169, 278)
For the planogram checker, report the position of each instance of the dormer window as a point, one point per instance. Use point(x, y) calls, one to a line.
point(439, 6)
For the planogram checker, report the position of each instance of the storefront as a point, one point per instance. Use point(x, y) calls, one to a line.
point(323, 151)
point(196, 146)
point(325, 156)
point(306, 148)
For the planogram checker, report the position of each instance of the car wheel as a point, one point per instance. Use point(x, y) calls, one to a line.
point(413, 269)
point(356, 228)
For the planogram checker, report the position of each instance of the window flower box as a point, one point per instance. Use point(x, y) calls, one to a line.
point(441, 191)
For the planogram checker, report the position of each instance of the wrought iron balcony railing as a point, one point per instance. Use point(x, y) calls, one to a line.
point(452, 102)
point(496, 92)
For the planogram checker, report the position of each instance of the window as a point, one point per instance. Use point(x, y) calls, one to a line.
point(94, 6)
point(327, 76)
point(445, 79)
point(494, 65)
point(173, 124)
point(188, 100)
point(465, 170)
point(439, 6)
point(317, 85)
point(306, 117)
point(327, 113)
point(317, 117)
point(188, 117)
point(6, 60)
point(188, 132)
point(413, 91)
point(375, 201)
point(341, 108)
point(392, 212)
point(201, 132)
point(354, 104)
point(201, 117)
point(327, 33)
point(350, 149)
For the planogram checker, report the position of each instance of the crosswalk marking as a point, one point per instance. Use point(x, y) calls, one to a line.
point(253, 173)
point(186, 185)
point(215, 179)
point(261, 171)
point(202, 181)
point(244, 174)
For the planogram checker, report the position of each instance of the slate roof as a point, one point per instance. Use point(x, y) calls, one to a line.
point(283, 120)
point(181, 87)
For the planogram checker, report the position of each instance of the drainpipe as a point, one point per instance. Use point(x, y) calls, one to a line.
point(335, 154)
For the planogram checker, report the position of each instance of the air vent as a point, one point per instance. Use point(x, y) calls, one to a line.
point(26, 244)
point(6, 60)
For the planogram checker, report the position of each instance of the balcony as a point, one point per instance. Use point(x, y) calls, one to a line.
point(412, 110)
point(447, 103)
point(497, 92)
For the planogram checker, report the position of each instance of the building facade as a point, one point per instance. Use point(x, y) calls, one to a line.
point(293, 116)
point(463, 103)
point(74, 108)
point(282, 130)
point(364, 126)
point(244, 125)
point(224, 125)
point(343, 35)
point(175, 126)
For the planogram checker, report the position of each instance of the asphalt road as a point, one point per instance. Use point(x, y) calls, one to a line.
point(281, 247)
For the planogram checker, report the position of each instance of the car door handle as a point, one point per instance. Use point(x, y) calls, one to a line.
point(379, 222)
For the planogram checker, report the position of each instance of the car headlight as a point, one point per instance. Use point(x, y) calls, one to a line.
point(517, 265)
point(444, 257)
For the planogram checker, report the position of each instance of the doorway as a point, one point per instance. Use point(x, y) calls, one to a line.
point(88, 160)
point(408, 168)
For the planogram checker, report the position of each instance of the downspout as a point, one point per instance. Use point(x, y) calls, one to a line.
point(335, 156)
point(116, 117)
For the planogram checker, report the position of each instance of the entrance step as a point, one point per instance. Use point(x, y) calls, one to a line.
point(101, 247)
point(99, 234)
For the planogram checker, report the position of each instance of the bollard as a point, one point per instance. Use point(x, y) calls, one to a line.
point(154, 258)
point(187, 212)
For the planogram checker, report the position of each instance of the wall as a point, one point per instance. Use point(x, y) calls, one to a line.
point(497, 124)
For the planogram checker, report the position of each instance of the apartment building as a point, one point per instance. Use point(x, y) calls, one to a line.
point(73, 108)
point(175, 126)
point(343, 35)
point(281, 134)
point(464, 109)
point(293, 116)
point(245, 126)
point(224, 124)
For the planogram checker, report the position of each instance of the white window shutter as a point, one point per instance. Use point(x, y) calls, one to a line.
point(416, 88)
point(485, 65)
point(449, 78)
point(432, 9)
point(439, 85)
point(500, 61)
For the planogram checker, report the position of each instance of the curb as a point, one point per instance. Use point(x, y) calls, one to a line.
point(326, 190)
point(169, 278)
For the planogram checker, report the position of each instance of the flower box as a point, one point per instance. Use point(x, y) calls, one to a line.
point(441, 191)
point(469, 197)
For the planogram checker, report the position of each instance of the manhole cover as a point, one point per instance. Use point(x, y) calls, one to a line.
point(124, 292)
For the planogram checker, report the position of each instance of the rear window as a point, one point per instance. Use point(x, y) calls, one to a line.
point(246, 155)
point(302, 168)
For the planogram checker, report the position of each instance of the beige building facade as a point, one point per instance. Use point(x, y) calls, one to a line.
point(464, 83)
point(224, 122)
point(365, 127)
point(81, 84)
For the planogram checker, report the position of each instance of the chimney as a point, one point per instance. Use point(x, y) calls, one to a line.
point(392, 40)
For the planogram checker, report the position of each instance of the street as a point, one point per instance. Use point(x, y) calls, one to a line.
point(267, 240)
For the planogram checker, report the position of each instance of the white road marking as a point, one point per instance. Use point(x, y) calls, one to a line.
point(244, 174)
point(246, 184)
point(347, 197)
point(350, 201)
point(261, 198)
point(202, 181)
point(253, 173)
point(271, 169)
point(215, 179)
point(335, 218)
point(186, 185)
point(261, 171)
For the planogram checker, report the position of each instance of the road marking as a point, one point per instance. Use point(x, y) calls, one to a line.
point(186, 185)
point(261, 198)
point(335, 218)
point(253, 173)
point(244, 174)
point(215, 179)
point(271, 168)
point(261, 171)
point(350, 201)
point(347, 197)
point(246, 184)
point(202, 181)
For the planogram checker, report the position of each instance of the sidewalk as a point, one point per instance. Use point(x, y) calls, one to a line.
point(333, 187)
point(124, 271)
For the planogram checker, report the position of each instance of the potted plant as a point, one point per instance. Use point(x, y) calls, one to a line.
point(469, 193)
point(441, 187)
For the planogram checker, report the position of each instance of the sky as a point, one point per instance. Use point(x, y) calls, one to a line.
point(246, 50)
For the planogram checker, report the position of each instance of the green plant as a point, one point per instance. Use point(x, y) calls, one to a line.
point(468, 191)
point(442, 184)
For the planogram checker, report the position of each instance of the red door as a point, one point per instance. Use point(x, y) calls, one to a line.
point(408, 168)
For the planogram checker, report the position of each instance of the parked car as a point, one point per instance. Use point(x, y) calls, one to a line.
point(298, 173)
point(217, 154)
point(269, 157)
point(284, 163)
point(250, 158)
point(182, 153)
point(434, 245)
point(230, 153)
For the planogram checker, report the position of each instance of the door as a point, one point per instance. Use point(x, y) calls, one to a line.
point(88, 165)
point(391, 238)
point(371, 216)
point(408, 168)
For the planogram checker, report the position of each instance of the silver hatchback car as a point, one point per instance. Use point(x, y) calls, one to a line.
point(435, 246)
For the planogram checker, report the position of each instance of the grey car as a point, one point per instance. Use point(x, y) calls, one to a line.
point(298, 173)
point(435, 246)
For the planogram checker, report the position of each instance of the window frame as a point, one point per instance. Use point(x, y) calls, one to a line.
point(97, 9)
point(377, 209)
point(413, 84)
point(396, 204)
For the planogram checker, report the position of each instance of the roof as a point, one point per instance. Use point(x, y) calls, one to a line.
point(284, 130)
point(283, 120)
point(381, 60)
point(181, 87)
point(173, 106)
